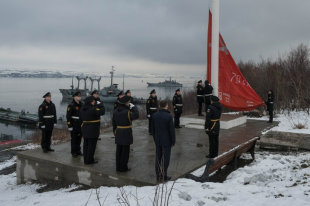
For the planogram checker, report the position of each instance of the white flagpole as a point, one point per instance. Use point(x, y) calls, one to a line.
point(215, 47)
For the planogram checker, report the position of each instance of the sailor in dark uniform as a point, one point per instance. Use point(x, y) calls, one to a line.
point(270, 105)
point(151, 108)
point(177, 103)
point(119, 96)
point(47, 121)
point(200, 97)
point(212, 126)
point(208, 93)
point(90, 115)
point(74, 124)
point(95, 94)
point(128, 93)
point(123, 116)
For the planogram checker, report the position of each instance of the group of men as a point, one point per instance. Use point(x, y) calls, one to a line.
point(83, 120)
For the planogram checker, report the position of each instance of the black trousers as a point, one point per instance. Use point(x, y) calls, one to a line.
point(207, 102)
point(150, 124)
point(162, 160)
point(89, 148)
point(177, 116)
point(199, 107)
point(46, 138)
point(76, 138)
point(213, 145)
point(122, 157)
point(270, 115)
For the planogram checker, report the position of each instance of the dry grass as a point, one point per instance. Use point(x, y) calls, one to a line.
point(59, 135)
point(299, 126)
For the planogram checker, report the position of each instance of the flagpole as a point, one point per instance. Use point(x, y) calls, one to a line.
point(215, 47)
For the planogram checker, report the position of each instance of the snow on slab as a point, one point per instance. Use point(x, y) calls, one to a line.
point(272, 179)
point(288, 121)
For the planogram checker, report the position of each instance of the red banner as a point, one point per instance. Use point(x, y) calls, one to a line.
point(234, 90)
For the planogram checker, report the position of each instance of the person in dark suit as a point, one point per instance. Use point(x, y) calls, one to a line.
point(74, 124)
point(151, 108)
point(208, 93)
point(270, 105)
point(128, 93)
point(177, 103)
point(212, 126)
point(164, 137)
point(200, 97)
point(90, 115)
point(47, 121)
point(122, 119)
point(119, 96)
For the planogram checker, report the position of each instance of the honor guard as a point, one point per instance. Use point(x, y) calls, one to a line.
point(270, 105)
point(200, 97)
point(47, 121)
point(90, 115)
point(212, 125)
point(119, 96)
point(151, 108)
point(208, 93)
point(177, 103)
point(123, 116)
point(74, 124)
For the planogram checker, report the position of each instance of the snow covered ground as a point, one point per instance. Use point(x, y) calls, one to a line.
point(288, 122)
point(272, 179)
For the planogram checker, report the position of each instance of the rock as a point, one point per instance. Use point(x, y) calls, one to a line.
point(185, 196)
point(200, 203)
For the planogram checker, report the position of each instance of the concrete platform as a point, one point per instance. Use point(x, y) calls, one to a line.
point(187, 155)
point(227, 121)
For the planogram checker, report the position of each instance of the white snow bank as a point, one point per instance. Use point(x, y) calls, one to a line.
point(288, 122)
point(272, 179)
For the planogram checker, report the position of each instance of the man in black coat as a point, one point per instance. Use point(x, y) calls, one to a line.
point(119, 96)
point(164, 138)
point(270, 105)
point(90, 115)
point(128, 93)
point(200, 97)
point(177, 103)
point(151, 108)
point(208, 93)
point(74, 124)
point(123, 116)
point(212, 126)
point(47, 121)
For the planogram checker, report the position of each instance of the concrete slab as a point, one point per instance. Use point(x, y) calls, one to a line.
point(227, 121)
point(285, 141)
point(187, 155)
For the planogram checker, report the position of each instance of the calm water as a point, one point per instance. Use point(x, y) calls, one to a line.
point(26, 94)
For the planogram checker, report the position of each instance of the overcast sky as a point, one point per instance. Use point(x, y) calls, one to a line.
point(150, 36)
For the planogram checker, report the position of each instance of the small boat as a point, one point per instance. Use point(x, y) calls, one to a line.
point(13, 116)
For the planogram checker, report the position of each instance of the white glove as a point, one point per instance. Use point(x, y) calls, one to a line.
point(98, 102)
point(55, 125)
point(131, 105)
point(70, 129)
point(148, 116)
point(43, 127)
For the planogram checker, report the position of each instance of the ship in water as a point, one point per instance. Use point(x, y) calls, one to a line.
point(107, 94)
point(21, 117)
point(166, 83)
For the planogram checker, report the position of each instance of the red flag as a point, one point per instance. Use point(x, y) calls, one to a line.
point(234, 90)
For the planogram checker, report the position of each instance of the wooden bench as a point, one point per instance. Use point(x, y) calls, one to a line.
point(226, 158)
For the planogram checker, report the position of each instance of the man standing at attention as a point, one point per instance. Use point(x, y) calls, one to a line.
point(177, 103)
point(47, 121)
point(212, 126)
point(200, 97)
point(122, 128)
point(164, 137)
point(151, 108)
point(74, 124)
point(90, 114)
